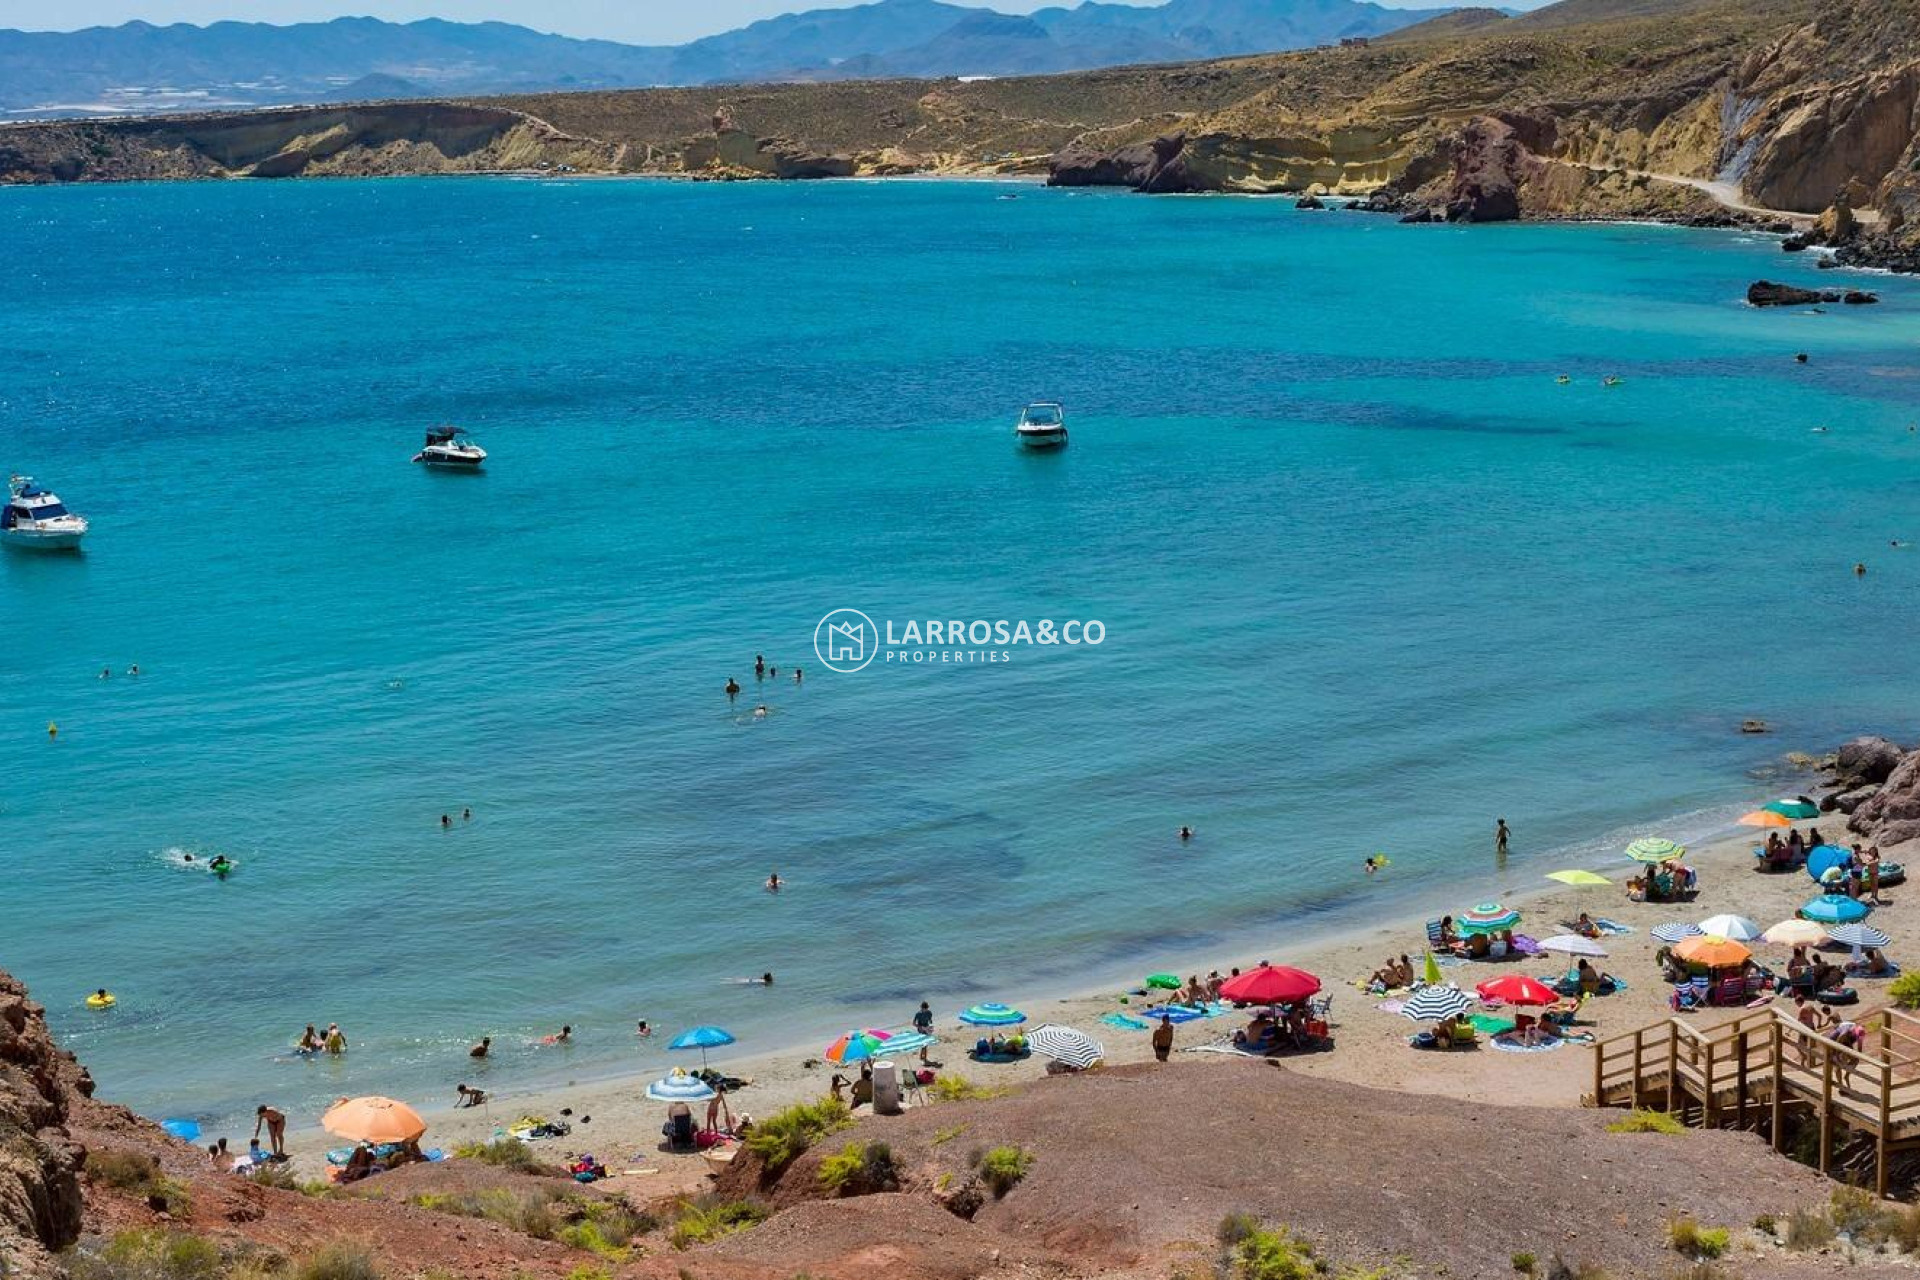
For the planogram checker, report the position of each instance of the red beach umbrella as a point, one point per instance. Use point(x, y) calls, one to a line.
point(1517, 988)
point(1270, 984)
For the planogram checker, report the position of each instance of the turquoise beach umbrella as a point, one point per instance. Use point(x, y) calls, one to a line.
point(703, 1039)
point(992, 1015)
point(1487, 917)
point(1794, 808)
point(1835, 908)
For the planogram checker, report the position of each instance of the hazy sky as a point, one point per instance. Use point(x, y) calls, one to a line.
point(636, 21)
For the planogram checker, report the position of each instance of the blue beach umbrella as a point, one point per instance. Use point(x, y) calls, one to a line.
point(703, 1039)
point(1834, 908)
point(185, 1130)
point(678, 1086)
point(992, 1015)
point(1823, 858)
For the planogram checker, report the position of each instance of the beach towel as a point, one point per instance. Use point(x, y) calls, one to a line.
point(1526, 946)
point(1860, 971)
point(1227, 1047)
point(1612, 929)
point(1508, 1043)
point(1390, 1006)
point(1122, 1020)
point(1180, 1013)
point(1489, 1025)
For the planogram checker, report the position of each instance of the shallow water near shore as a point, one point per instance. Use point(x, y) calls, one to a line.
point(1370, 577)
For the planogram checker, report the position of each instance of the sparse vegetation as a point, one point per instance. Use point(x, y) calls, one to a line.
point(1642, 1121)
point(707, 1219)
point(943, 1136)
point(1766, 1224)
point(282, 1178)
point(784, 1136)
point(860, 1168)
point(1525, 1263)
point(155, 1254)
point(604, 1227)
point(508, 1153)
point(530, 1213)
point(1809, 1229)
point(1688, 1238)
point(338, 1262)
point(1002, 1168)
point(139, 1175)
point(1905, 991)
point(961, 1089)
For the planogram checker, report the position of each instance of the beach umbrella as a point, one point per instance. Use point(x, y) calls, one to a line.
point(1574, 945)
point(678, 1086)
point(1676, 931)
point(1858, 935)
point(1765, 818)
point(1270, 984)
point(185, 1130)
point(1712, 951)
point(1064, 1044)
point(1834, 908)
point(1164, 982)
point(1795, 933)
point(1655, 849)
point(992, 1015)
point(1487, 917)
point(701, 1038)
point(1580, 879)
point(1430, 973)
point(1794, 808)
point(1739, 928)
point(1517, 988)
point(907, 1042)
point(1823, 858)
point(1431, 1004)
point(856, 1046)
point(373, 1119)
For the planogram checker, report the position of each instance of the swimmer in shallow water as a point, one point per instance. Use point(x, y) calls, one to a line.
point(773, 882)
point(220, 865)
point(759, 665)
point(445, 821)
point(106, 673)
point(564, 1037)
point(766, 979)
point(1859, 570)
point(760, 712)
point(733, 688)
point(309, 1041)
point(642, 1029)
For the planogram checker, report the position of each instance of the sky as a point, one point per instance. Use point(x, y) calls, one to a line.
point(634, 21)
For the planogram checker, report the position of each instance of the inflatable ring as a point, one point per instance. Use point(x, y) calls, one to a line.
point(99, 1002)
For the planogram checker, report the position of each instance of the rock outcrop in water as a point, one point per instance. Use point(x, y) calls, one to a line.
point(40, 1199)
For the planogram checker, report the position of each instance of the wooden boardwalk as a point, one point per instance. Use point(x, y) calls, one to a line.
point(1750, 1071)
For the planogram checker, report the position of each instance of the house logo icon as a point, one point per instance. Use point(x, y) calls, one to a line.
point(846, 640)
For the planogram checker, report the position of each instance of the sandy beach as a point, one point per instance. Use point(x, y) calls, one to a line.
point(1369, 1043)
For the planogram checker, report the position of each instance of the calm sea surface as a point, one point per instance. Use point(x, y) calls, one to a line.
point(1370, 578)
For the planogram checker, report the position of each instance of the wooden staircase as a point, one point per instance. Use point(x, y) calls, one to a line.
point(1751, 1071)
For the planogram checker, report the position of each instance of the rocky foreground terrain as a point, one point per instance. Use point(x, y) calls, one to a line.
point(1796, 114)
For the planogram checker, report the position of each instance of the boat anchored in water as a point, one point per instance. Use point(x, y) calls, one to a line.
point(450, 449)
point(1042, 425)
point(36, 520)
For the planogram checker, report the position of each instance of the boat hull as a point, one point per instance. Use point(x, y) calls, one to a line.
point(38, 540)
point(444, 463)
point(1055, 438)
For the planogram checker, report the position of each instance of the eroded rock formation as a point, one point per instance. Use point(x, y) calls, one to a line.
point(40, 1198)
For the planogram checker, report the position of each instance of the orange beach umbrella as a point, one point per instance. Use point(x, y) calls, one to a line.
point(1712, 951)
point(375, 1120)
point(1765, 818)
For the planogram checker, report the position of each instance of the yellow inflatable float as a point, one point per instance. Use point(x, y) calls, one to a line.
point(101, 999)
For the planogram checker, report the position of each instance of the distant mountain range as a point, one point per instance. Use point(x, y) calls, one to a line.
point(140, 67)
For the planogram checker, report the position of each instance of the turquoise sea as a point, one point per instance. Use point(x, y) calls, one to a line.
point(1370, 577)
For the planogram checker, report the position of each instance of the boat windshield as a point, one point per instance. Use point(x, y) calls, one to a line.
point(1042, 415)
point(50, 511)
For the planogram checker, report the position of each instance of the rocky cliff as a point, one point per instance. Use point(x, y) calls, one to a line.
point(40, 1199)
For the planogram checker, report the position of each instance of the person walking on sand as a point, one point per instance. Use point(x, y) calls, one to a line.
point(1163, 1038)
point(275, 1123)
point(923, 1023)
point(480, 1050)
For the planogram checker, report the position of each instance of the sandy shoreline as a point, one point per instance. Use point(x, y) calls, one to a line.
point(1369, 1047)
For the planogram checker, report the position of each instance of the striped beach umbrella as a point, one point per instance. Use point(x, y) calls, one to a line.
point(1739, 928)
point(857, 1046)
point(1076, 1049)
point(678, 1086)
point(1431, 1004)
point(1835, 908)
point(908, 1042)
point(1676, 931)
point(1486, 917)
point(1655, 849)
point(992, 1015)
point(1793, 808)
point(1858, 935)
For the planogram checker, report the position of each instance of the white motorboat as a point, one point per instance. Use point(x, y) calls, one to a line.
point(1042, 425)
point(450, 449)
point(36, 520)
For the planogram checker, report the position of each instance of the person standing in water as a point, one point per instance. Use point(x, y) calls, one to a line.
point(759, 665)
point(1186, 833)
point(309, 1041)
point(480, 1050)
point(336, 1041)
point(773, 882)
point(733, 688)
point(446, 822)
point(1500, 837)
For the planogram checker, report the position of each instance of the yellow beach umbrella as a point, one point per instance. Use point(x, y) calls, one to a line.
point(1582, 879)
point(375, 1120)
point(1765, 818)
point(1432, 973)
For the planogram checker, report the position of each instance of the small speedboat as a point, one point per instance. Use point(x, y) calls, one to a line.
point(36, 520)
point(1042, 425)
point(450, 449)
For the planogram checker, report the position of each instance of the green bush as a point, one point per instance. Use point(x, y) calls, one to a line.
point(1639, 1121)
point(860, 1168)
point(338, 1262)
point(589, 1271)
point(604, 1227)
point(1688, 1237)
point(531, 1214)
point(961, 1089)
point(1003, 1167)
point(1271, 1255)
point(1525, 1263)
point(784, 1136)
point(1766, 1224)
point(139, 1175)
point(943, 1136)
point(1905, 990)
point(707, 1219)
point(151, 1254)
point(508, 1153)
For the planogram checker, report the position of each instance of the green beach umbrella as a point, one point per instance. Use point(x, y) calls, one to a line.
point(1794, 809)
point(1432, 973)
point(1579, 879)
point(1164, 981)
point(1652, 849)
point(1487, 917)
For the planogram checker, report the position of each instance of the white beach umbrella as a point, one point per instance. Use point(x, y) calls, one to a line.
point(1574, 945)
point(1738, 928)
point(1796, 933)
point(680, 1087)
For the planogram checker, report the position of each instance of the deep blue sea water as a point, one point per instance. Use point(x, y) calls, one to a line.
point(1370, 577)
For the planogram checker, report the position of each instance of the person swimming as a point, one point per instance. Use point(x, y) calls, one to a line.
point(642, 1030)
point(1859, 570)
point(1821, 431)
point(106, 673)
point(565, 1036)
point(446, 820)
point(53, 730)
point(1186, 833)
point(796, 675)
point(733, 688)
point(760, 712)
point(134, 670)
point(466, 815)
point(766, 979)
point(1374, 862)
point(773, 882)
point(220, 865)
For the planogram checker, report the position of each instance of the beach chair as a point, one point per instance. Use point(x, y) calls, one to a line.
point(1434, 941)
point(1688, 995)
point(680, 1133)
point(1729, 990)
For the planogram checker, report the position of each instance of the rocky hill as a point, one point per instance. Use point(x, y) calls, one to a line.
point(1762, 110)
